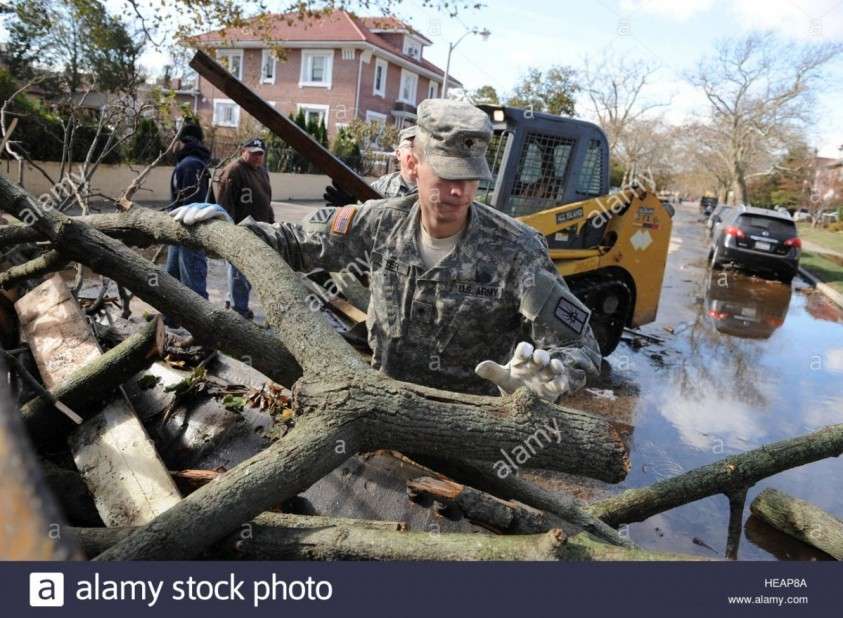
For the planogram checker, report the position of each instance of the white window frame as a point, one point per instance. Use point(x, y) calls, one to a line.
point(413, 42)
point(324, 110)
point(375, 117)
point(224, 54)
point(432, 90)
point(236, 113)
point(307, 56)
point(380, 62)
point(405, 74)
point(267, 54)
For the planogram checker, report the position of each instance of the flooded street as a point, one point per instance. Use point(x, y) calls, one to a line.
point(741, 362)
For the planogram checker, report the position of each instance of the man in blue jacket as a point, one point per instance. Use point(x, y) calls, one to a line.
point(189, 185)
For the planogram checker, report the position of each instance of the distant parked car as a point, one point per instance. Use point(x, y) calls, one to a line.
point(829, 216)
point(759, 240)
point(723, 213)
point(707, 205)
point(801, 214)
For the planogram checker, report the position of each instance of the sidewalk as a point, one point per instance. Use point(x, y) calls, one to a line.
point(823, 267)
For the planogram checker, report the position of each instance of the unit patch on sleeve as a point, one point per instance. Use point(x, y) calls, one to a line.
point(571, 315)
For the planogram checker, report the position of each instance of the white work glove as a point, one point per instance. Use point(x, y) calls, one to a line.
point(546, 377)
point(196, 213)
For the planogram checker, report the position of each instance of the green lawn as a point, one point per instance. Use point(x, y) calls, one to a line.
point(827, 271)
point(830, 240)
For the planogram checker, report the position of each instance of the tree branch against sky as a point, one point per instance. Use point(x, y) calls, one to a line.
point(617, 89)
point(758, 89)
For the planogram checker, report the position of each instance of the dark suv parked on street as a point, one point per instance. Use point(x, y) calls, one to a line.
point(759, 240)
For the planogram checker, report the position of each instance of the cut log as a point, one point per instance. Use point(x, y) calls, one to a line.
point(112, 450)
point(92, 382)
point(801, 520)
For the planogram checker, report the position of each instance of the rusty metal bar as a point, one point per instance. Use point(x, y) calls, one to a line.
point(283, 127)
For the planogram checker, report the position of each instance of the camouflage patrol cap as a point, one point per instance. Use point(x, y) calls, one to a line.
point(454, 136)
point(407, 133)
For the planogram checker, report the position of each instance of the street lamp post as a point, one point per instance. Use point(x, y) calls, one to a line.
point(484, 34)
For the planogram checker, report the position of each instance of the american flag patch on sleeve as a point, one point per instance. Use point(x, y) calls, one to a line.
point(343, 219)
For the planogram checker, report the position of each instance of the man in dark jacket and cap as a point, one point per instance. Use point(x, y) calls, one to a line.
point(189, 185)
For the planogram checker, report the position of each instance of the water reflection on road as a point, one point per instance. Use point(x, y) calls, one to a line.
point(748, 362)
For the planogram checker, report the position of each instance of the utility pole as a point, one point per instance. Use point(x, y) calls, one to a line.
point(484, 34)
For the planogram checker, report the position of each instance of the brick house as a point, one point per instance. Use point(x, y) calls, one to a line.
point(337, 67)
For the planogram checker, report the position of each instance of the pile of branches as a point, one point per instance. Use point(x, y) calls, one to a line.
point(344, 407)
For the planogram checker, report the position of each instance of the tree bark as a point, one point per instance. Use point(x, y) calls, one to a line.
point(725, 476)
point(483, 509)
point(737, 502)
point(801, 520)
point(295, 537)
point(568, 508)
point(91, 383)
point(47, 262)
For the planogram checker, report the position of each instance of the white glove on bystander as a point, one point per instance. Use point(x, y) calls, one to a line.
point(533, 368)
point(201, 211)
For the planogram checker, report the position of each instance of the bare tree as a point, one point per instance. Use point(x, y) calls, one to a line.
point(616, 88)
point(758, 90)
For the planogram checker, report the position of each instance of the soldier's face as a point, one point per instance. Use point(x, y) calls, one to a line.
point(444, 203)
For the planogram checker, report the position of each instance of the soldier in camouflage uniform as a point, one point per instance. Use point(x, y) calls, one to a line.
point(389, 185)
point(400, 182)
point(449, 317)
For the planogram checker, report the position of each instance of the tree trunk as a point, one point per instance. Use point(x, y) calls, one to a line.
point(801, 520)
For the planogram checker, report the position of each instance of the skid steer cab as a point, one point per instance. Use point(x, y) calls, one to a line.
point(552, 173)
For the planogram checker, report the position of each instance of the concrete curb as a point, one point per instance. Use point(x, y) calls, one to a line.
point(832, 294)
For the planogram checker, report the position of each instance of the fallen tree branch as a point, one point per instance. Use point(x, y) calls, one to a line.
point(93, 382)
point(484, 509)
point(47, 262)
point(211, 326)
point(482, 476)
point(801, 520)
point(125, 200)
point(43, 393)
point(274, 536)
point(344, 406)
point(721, 477)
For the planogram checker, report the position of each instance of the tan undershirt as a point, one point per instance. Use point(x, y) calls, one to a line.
point(434, 250)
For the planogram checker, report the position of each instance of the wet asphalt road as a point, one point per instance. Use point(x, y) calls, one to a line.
point(744, 362)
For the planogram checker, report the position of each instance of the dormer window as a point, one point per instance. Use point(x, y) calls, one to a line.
point(412, 47)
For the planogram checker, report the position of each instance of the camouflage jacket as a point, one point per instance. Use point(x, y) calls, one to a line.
point(433, 326)
point(393, 185)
